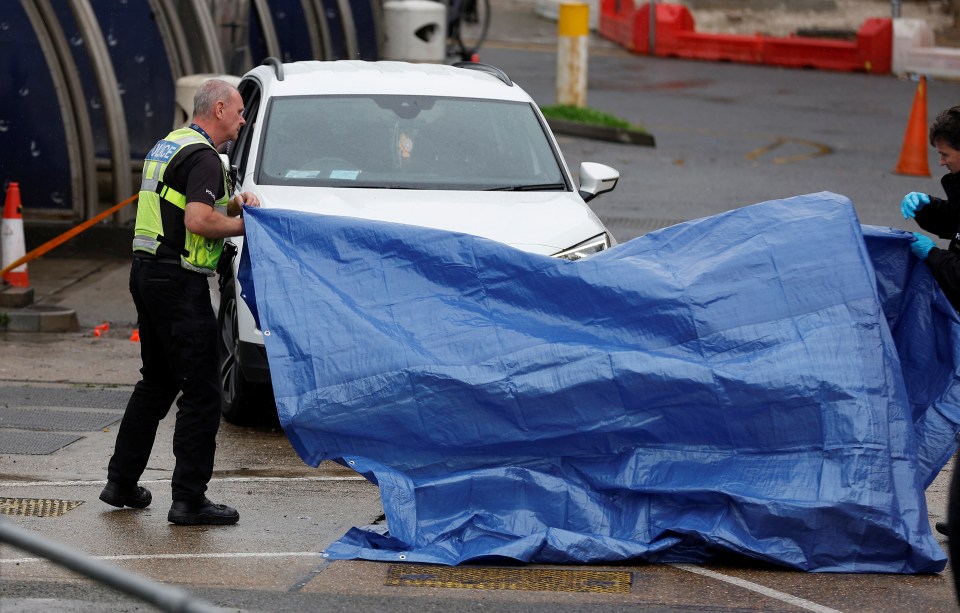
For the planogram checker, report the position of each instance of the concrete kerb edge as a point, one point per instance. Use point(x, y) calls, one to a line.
point(39, 319)
point(604, 133)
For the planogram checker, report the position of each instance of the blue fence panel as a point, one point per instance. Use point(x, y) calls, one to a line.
point(142, 68)
point(292, 30)
point(366, 25)
point(338, 45)
point(88, 78)
point(256, 37)
point(32, 127)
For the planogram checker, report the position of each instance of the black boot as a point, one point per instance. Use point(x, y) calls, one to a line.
point(134, 496)
point(201, 513)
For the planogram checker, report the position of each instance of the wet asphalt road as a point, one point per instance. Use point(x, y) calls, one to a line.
point(727, 136)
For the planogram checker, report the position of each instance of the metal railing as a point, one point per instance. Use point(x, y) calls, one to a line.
point(164, 597)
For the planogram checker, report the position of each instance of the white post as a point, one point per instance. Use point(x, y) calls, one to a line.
point(573, 29)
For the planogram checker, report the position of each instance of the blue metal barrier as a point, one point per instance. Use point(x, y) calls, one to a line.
point(35, 119)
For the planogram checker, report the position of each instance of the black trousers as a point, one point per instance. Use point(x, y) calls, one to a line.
point(178, 336)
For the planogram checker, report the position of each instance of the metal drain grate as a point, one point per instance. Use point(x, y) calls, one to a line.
point(34, 443)
point(42, 418)
point(534, 579)
point(69, 396)
point(37, 507)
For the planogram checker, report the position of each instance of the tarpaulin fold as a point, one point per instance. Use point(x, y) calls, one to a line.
point(776, 381)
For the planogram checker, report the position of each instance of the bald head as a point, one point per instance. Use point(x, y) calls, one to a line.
point(208, 95)
point(218, 109)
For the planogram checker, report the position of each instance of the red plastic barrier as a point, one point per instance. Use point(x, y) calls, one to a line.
point(616, 21)
point(673, 21)
point(802, 52)
point(875, 45)
point(676, 36)
point(713, 47)
point(871, 53)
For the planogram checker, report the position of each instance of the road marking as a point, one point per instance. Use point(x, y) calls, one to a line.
point(154, 481)
point(819, 149)
point(756, 587)
point(182, 556)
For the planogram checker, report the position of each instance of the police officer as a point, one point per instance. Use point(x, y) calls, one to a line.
point(185, 211)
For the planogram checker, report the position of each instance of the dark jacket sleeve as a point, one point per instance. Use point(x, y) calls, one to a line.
point(945, 266)
point(939, 217)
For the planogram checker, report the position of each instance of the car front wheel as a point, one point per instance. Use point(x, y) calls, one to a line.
point(241, 401)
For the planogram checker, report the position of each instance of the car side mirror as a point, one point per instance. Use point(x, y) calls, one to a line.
point(596, 179)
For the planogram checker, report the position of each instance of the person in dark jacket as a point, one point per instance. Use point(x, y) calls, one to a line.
point(942, 217)
point(937, 215)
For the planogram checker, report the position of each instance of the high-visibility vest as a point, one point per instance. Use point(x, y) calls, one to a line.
point(197, 253)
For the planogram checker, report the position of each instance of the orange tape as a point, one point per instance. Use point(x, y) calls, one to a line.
point(55, 242)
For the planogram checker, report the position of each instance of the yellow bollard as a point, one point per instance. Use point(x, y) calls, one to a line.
point(573, 30)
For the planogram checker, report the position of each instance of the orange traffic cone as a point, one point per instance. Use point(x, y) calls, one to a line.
point(14, 247)
point(135, 337)
point(913, 155)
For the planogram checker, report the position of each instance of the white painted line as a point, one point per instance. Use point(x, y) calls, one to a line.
point(182, 556)
point(756, 587)
point(214, 480)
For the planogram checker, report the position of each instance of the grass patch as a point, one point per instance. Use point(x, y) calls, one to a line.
point(588, 115)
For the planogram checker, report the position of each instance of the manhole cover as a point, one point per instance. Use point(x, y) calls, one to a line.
point(37, 507)
point(34, 443)
point(533, 579)
point(44, 418)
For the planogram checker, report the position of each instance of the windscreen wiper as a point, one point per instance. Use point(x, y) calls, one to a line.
point(539, 187)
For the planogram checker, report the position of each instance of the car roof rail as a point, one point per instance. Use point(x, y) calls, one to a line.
point(487, 68)
point(277, 66)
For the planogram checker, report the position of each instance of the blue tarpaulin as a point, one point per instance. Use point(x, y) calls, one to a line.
point(776, 381)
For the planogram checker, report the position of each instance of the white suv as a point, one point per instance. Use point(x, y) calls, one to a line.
point(458, 148)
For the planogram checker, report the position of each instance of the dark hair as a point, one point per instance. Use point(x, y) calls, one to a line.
point(946, 127)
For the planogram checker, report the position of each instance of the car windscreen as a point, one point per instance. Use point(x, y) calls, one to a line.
point(407, 142)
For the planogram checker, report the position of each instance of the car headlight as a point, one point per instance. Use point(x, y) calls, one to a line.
point(585, 249)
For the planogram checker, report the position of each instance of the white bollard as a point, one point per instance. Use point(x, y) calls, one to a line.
point(573, 29)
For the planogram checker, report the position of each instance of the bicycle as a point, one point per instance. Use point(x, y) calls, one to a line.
point(468, 22)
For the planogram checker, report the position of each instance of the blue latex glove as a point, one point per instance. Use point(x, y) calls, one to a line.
point(921, 246)
point(913, 202)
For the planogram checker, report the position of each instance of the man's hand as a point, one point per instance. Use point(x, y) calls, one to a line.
point(921, 246)
point(913, 202)
point(234, 207)
point(250, 199)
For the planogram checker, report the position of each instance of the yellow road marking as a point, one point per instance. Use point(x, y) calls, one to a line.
point(819, 149)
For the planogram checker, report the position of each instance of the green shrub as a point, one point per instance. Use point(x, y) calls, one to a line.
point(588, 115)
